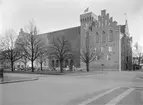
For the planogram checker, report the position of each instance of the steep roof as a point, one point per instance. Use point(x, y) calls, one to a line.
point(69, 33)
point(63, 31)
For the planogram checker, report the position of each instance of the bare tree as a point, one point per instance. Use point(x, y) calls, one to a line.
point(138, 52)
point(42, 57)
point(31, 44)
point(89, 55)
point(60, 49)
point(24, 60)
point(9, 52)
point(88, 52)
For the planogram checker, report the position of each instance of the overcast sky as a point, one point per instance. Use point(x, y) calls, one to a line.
point(51, 15)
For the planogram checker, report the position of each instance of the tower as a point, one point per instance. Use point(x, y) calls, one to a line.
point(86, 23)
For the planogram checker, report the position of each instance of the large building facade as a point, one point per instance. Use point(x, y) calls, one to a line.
point(107, 37)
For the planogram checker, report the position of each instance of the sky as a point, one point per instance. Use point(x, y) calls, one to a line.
point(51, 15)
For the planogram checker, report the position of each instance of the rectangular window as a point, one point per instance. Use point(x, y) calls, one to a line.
point(108, 57)
point(110, 49)
point(102, 48)
point(105, 22)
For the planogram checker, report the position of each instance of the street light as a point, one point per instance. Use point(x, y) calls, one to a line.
point(1, 71)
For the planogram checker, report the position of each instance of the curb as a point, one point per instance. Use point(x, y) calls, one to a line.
point(23, 80)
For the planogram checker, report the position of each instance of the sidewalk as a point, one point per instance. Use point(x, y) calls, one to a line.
point(17, 79)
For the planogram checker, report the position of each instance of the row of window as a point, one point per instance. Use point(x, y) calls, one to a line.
point(87, 19)
point(99, 24)
point(109, 49)
point(103, 37)
point(108, 57)
point(103, 23)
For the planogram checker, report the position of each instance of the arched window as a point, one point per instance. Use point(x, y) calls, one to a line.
point(57, 63)
point(97, 37)
point(53, 63)
point(87, 19)
point(66, 63)
point(103, 37)
point(71, 63)
point(105, 22)
point(99, 23)
point(81, 20)
point(110, 36)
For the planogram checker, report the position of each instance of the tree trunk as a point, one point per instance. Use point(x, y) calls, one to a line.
point(87, 66)
point(61, 66)
point(32, 67)
point(25, 66)
point(12, 69)
point(41, 66)
point(139, 61)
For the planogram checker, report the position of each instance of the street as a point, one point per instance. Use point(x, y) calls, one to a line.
point(93, 88)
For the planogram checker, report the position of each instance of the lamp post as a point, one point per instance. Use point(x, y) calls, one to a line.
point(1, 71)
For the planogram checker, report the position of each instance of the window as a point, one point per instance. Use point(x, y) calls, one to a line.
point(105, 22)
point(97, 37)
point(110, 37)
point(108, 57)
point(102, 48)
point(99, 23)
point(57, 63)
point(103, 37)
point(53, 63)
point(80, 20)
point(97, 58)
point(110, 49)
point(87, 19)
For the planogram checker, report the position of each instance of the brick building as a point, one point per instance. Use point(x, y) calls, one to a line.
point(105, 34)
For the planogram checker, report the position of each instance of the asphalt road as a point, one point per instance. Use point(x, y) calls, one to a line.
point(110, 88)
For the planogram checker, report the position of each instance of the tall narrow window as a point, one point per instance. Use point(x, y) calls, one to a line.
point(87, 19)
point(99, 23)
point(97, 37)
point(53, 63)
point(110, 37)
point(110, 49)
point(102, 49)
point(108, 57)
point(103, 37)
point(105, 22)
